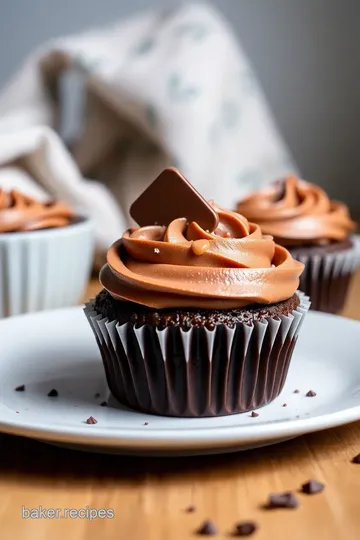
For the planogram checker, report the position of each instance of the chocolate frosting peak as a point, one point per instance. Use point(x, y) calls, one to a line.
point(183, 265)
point(295, 212)
point(19, 213)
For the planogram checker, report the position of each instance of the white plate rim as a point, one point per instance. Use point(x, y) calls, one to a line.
point(168, 438)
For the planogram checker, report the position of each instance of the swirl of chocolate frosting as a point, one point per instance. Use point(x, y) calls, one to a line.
point(182, 265)
point(295, 212)
point(20, 213)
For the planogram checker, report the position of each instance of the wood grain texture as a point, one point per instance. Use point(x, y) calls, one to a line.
point(149, 496)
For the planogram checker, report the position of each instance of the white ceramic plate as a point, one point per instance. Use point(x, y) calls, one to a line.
point(57, 350)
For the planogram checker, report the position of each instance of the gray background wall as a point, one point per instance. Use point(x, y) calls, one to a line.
point(306, 54)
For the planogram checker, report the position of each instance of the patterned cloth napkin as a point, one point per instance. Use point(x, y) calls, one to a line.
point(161, 88)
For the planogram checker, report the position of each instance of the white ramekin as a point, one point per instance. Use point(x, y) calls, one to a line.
point(45, 269)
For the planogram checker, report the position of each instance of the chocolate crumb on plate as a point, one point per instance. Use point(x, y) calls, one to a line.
point(97, 395)
point(254, 414)
point(207, 529)
point(311, 393)
point(297, 391)
point(356, 459)
point(53, 393)
point(20, 388)
point(282, 500)
point(245, 528)
point(103, 404)
point(91, 420)
point(146, 423)
point(191, 509)
point(312, 486)
point(284, 405)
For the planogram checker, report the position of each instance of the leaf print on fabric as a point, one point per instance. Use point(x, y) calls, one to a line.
point(249, 179)
point(196, 31)
point(179, 91)
point(151, 115)
point(87, 65)
point(248, 85)
point(214, 133)
point(230, 114)
point(144, 47)
point(289, 166)
point(174, 162)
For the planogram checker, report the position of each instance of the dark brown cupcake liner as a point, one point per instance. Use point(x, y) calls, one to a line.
point(197, 372)
point(327, 276)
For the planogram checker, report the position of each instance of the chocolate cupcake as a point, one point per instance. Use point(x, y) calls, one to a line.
point(195, 323)
point(316, 231)
point(45, 254)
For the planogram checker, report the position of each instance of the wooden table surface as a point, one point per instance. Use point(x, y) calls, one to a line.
point(149, 495)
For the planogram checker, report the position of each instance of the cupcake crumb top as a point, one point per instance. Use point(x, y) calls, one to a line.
point(187, 318)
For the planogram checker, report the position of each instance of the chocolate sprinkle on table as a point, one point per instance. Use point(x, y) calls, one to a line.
point(254, 414)
point(245, 528)
point(20, 388)
point(356, 459)
point(103, 404)
point(311, 393)
point(190, 509)
point(91, 420)
point(207, 529)
point(312, 486)
point(146, 423)
point(297, 391)
point(282, 500)
point(53, 393)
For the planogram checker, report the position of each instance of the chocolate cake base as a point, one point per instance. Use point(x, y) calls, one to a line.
point(139, 315)
point(327, 275)
point(193, 363)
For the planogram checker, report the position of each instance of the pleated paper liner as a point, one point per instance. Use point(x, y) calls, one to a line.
point(198, 372)
point(327, 276)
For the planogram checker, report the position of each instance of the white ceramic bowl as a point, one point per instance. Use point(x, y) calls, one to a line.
point(45, 269)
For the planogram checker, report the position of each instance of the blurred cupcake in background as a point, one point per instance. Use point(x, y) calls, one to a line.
point(316, 230)
point(46, 253)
